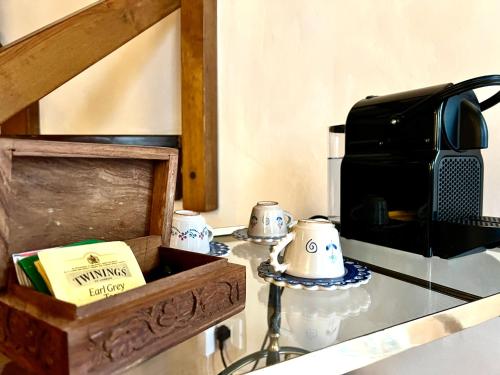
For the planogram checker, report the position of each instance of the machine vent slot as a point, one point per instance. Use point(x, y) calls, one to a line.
point(459, 188)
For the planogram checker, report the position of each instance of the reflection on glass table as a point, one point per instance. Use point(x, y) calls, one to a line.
point(273, 353)
point(477, 274)
point(312, 322)
point(308, 320)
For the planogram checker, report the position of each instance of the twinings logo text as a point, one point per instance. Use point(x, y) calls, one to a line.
point(99, 274)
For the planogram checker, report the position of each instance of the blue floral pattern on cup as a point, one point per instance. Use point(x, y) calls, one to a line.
point(312, 247)
point(333, 255)
point(253, 221)
point(191, 233)
point(331, 246)
point(280, 221)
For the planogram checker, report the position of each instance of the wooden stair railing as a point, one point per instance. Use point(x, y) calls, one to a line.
point(25, 122)
point(199, 104)
point(37, 64)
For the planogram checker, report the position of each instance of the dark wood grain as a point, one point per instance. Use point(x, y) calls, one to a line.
point(12, 368)
point(62, 200)
point(27, 147)
point(39, 63)
point(52, 199)
point(24, 337)
point(172, 141)
point(190, 269)
point(127, 328)
point(199, 104)
point(146, 251)
point(163, 199)
point(42, 302)
point(5, 200)
point(25, 122)
point(170, 192)
point(175, 314)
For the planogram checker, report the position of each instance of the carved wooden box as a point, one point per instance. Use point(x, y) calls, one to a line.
point(53, 193)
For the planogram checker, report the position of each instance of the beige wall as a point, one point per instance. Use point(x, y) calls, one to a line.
point(287, 70)
point(290, 68)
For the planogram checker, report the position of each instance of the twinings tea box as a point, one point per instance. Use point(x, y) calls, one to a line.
point(88, 273)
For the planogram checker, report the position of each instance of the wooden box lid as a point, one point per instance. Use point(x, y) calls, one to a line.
point(52, 193)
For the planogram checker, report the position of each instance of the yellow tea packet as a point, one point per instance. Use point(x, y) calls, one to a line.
point(87, 273)
point(42, 273)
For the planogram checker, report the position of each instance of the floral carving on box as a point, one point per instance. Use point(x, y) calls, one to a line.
point(27, 337)
point(150, 325)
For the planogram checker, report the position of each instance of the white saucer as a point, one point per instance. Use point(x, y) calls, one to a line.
point(354, 276)
point(242, 235)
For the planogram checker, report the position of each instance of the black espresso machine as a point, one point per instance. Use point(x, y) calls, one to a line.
point(412, 174)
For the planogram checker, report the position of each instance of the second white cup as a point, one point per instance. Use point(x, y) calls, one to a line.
point(269, 220)
point(190, 232)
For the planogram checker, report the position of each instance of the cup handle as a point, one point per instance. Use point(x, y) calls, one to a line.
point(276, 250)
point(210, 233)
point(290, 221)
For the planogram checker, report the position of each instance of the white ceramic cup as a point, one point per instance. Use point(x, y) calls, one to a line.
point(311, 250)
point(190, 232)
point(269, 220)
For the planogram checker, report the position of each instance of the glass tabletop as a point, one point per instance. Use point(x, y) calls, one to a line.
point(297, 321)
point(477, 274)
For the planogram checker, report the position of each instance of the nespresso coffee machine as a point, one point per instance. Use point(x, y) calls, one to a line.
point(412, 174)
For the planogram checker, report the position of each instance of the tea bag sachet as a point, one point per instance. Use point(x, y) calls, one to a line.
point(87, 273)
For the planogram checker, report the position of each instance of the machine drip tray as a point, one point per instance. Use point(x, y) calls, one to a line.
point(465, 235)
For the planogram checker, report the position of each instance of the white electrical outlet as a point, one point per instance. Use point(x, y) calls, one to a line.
point(210, 344)
point(237, 327)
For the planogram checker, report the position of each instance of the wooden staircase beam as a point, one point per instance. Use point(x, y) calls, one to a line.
point(199, 104)
point(37, 64)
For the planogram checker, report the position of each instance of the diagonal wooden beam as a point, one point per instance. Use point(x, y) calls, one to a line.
point(199, 104)
point(25, 122)
point(34, 66)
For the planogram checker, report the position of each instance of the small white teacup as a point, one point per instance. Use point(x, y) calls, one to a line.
point(311, 250)
point(269, 220)
point(190, 232)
